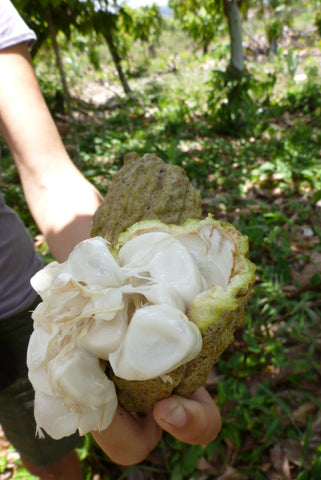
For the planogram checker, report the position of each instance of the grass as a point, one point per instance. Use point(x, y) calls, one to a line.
point(268, 184)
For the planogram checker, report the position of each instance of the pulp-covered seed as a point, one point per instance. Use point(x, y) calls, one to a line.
point(54, 416)
point(159, 338)
point(103, 337)
point(175, 277)
point(78, 376)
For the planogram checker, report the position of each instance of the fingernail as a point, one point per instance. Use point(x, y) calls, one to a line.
point(176, 416)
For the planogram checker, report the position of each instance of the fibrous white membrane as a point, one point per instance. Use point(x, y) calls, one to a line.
point(174, 274)
point(130, 312)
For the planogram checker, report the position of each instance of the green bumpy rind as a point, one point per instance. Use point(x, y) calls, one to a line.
point(145, 188)
point(218, 313)
point(148, 193)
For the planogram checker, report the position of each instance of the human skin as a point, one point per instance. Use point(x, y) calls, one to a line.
point(62, 203)
point(130, 438)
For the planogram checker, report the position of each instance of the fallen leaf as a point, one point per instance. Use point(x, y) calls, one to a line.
point(280, 461)
point(265, 467)
point(231, 474)
point(4, 444)
point(301, 414)
point(205, 466)
point(312, 268)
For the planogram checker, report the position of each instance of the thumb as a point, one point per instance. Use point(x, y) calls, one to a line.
point(196, 421)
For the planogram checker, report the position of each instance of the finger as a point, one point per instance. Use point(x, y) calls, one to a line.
point(129, 438)
point(196, 421)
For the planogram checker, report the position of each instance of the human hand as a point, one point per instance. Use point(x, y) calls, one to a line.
point(130, 437)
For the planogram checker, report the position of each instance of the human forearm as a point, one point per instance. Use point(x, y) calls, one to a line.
point(60, 199)
point(64, 212)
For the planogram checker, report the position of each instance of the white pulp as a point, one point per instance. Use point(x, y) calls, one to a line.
point(130, 313)
point(159, 338)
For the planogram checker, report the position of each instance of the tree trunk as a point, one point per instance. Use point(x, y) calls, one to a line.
point(117, 60)
point(235, 30)
point(273, 47)
point(53, 36)
point(41, 37)
point(67, 97)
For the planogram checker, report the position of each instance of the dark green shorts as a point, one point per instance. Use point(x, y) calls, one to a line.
point(17, 396)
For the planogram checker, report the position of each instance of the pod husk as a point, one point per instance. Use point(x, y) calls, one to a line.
point(143, 189)
point(146, 188)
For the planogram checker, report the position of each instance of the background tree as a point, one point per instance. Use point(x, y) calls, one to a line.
point(233, 14)
point(47, 19)
point(103, 18)
point(317, 21)
point(144, 24)
point(201, 19)
point(231, 104)
point(278, 14)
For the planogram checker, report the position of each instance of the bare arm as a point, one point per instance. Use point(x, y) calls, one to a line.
point(60, 199)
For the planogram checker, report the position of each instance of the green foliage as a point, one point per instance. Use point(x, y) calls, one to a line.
point(23, 474)
point(303, 97)
point(202, 19)
point(292, 62)
point(144, 24)
point(183, 459)
point(317, 21)
point(279, 16)
point(274, 30)
point(3, 463)
point(236, 100)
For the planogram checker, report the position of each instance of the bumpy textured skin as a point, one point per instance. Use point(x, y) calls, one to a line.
point(218, 317)
point(141, 396)
point(147, 188)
